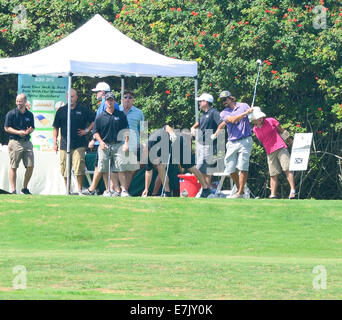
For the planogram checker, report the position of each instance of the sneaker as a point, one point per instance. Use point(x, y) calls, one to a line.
point(292, 195)
point(115, 194)
point(14, 192)
point(124, 193)
point(236, 196)
point(25, 191)
point(205, 193)
point(106, 194)
point(167, 194)
point(87, 192)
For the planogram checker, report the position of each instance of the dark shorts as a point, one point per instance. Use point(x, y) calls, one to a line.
point(186, 162)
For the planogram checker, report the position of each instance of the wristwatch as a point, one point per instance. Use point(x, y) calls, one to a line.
point(86, 130)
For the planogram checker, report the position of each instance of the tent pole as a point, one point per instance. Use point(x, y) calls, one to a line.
point(122, 88)
point(68, 135)
point(196, 103)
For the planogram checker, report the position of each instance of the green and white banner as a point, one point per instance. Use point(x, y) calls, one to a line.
point(45, 95)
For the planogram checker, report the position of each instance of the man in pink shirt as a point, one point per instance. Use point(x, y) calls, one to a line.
point(271, 135)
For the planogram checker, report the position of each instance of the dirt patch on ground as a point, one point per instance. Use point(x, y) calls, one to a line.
point(104, 290)
point(3, 289)
point(14, 201)
point(120, 239)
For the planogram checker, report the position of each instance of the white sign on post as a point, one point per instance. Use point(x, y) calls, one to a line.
point(300, 151)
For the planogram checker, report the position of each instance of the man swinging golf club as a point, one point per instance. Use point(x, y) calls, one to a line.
point(239, 145)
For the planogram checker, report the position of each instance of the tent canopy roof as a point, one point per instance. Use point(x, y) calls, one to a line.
point(97, 49)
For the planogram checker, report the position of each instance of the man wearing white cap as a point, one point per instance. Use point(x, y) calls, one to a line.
point(272, 136)
point(208, 123)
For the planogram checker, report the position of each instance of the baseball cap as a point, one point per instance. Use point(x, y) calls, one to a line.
point(101, 86)
point(109, 95)
point(206, 97)
point(224, 94)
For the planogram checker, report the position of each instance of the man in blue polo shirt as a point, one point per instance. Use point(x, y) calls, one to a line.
point(19, 124)
point(135, 118)
point(239, 145)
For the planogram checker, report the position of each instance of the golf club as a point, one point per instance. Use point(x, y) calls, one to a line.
point(109, 167)
point(259, 62)
point(167, 170)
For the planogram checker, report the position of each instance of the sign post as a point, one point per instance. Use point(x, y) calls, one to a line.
point(300, 154)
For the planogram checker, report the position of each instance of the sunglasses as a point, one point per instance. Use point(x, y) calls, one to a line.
point(224, 99)
point(128, 97)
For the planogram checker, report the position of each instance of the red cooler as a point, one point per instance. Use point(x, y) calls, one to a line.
point(189, 183)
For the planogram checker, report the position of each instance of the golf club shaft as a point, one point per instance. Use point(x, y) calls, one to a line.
point(255, 86)
point(167, 169)
point(109, 167)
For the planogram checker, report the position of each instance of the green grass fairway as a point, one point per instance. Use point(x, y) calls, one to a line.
point(169, 248)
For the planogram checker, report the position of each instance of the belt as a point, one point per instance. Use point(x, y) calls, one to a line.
point(241, 138)
point(20, 139)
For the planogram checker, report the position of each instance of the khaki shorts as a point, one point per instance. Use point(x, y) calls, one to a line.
point(116, 156)
point(278, 161)
point(20, 150)
point(77, 159)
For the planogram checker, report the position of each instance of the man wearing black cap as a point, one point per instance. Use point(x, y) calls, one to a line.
point(109, 129)
point(101, 89)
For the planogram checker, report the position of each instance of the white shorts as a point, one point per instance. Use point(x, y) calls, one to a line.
point(237, 155)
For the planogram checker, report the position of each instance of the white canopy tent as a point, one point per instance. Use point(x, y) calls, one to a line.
point(97, 49)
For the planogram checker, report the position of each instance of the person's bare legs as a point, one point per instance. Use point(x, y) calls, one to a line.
point(242, 181)
point(235, 178)
point(13, 178)
point(274, 185)
point(114, 182)
point(80, 179)
point(27, 177)
point(200, 177)
point(207, 179)
point(96, 179)
point(129, 177)
point(161, 168)
point(123, 181)
point(290, 179)
point(157, 186)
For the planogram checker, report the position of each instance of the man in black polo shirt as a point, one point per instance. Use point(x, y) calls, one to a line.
point(19, 123)
point(109, 130)
point(208, 123)
point(82, 121)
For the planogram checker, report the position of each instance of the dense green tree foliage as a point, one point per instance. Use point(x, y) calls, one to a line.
point(298, 41)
